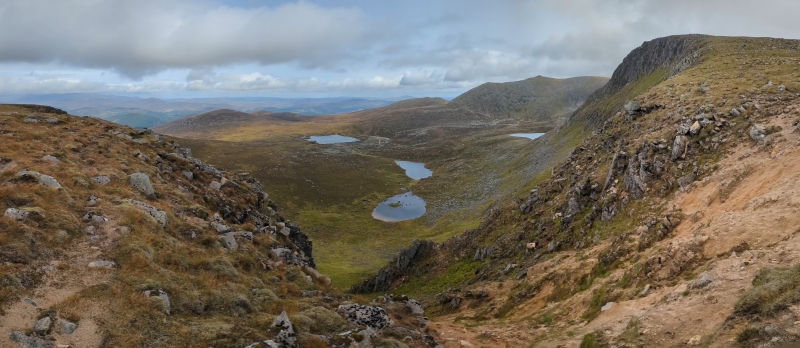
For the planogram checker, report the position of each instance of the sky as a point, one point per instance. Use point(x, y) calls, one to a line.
point(367, 48)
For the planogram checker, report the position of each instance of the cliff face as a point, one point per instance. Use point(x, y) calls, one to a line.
point(664, 208)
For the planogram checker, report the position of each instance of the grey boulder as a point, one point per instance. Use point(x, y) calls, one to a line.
point(42, 179)
point(67, 327)
point(101, 180)
point(757, 132)
point(24, 341)
point(16, 214)
point(159, 215)
point(141, 182)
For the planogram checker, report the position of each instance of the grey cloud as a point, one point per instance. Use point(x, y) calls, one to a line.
point(414, 78)
point(140, 38)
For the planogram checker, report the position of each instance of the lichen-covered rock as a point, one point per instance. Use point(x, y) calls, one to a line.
point(42, 326)
point(757, 132)
point(51, 159)
point(101, 264)
point(161, 296)
point(101, 180)
point(286, 337)
point(42, 179)
point(16, 214)
point(229, 241)
point(66, 326)
point(141, 182)
point(371, 316)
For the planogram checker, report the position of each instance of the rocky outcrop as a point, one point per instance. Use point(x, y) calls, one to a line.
point(370, 316)
point(395, 269)
point(158, 215)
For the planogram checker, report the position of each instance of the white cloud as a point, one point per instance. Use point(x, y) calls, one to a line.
point(143, 37)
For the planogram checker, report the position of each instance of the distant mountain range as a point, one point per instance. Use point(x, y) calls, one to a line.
point(150, 112)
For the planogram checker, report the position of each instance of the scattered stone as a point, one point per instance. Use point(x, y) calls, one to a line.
point(99, 219)
point(702, 281)
point(683, 128)
point(679, 147)
point(42, 179)
point(189, 175)
point(215, 185)
point(42, 326)
point(158, 215)
point(521, 274)
point(695, 128)
point(89, 230)
point(416, 307)
point(67, 327)
point(781, 88)
point(310, 293)
point(229, 241)
point(101, 180)
point(221, 228)
point(646, 291)
point(285, 231)
point(371, 316)
point(141, 182)
point(757, 132)
point(24, 341)
point(735, 112)
point(92, 200)
point(51, 159)
point(161, 296)
point(607, 306)
point(16, 214)
point(694, 341)
point(686, 180)
point(34, 118)
point(101, 263)
point(286, 337)
point(30, 301)
point(632, 106)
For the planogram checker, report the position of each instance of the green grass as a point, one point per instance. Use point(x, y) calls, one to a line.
point(774, 289)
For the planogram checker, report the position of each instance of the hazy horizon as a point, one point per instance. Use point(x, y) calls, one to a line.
point(296, 49)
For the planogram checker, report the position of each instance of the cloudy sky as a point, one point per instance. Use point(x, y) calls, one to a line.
point(183, 48)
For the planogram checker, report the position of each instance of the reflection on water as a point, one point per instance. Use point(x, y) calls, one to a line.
point(527, 135)
point(415, 170)
point(331, 139)
point(404, 206)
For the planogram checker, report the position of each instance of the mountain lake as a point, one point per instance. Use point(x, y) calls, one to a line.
point(401, 207)
point(530, 136)
point(331, 139)
point(415, 170)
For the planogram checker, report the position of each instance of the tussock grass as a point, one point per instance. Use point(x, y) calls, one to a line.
point(774, 289)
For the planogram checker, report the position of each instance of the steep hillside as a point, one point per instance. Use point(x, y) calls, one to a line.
point(538, 98)
point(678, 199)
point(112, 237)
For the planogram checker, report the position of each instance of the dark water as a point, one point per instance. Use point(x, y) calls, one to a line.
point(404, 206)
point(331, 139)
point(415, 170)
point(530, 136)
